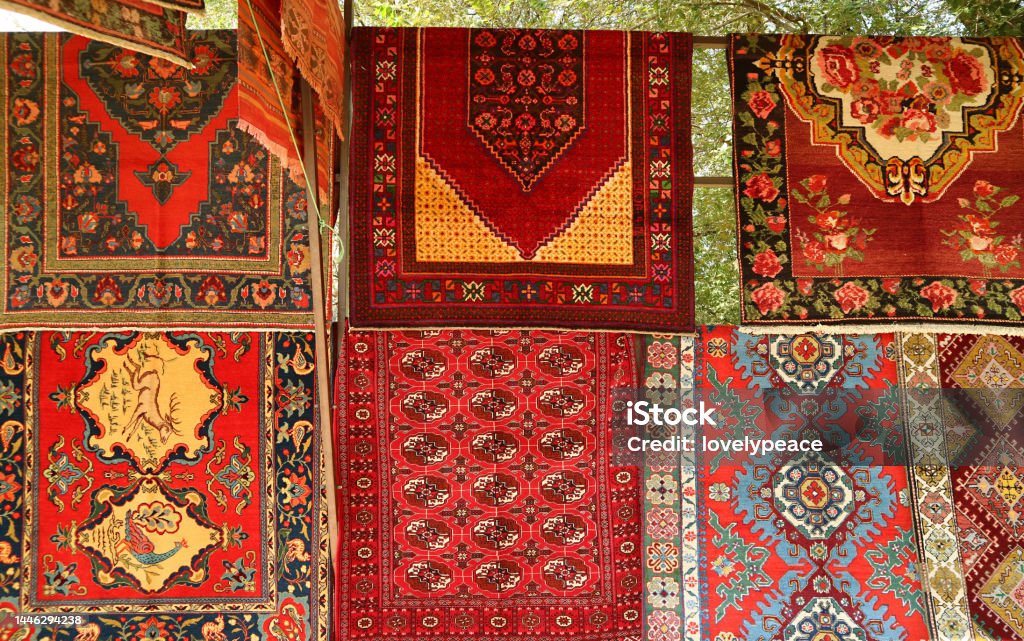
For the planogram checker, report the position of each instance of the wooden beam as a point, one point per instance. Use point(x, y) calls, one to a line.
point(320, 318)
point(713, 181)
point(710, 42)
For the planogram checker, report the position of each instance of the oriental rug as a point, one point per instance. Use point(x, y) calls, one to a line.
point(270, 103)
point(964, 396)
point(132, 199)
point(879, 180)
point(266, 82)
point(521, 178)
point(481, 493)
point(155, 28)
point(796, 547)
point(313, 34)
point(162, 486)
point(671, 575)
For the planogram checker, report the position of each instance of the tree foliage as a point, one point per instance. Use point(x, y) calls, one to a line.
point(714, 210)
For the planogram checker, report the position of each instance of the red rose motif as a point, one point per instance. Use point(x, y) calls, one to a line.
point(979, 287)
point(776, 223)
point(1017, 296)
point(983, 188)
point(773, 148)
point(939, 295)
point(761, 103)
point(761, 187)
point(866, 110)
point(965, 74)
point(839, 65)
point(851, 297)
point(814, 252)
point(1006, 254)
point(804, 285)
point(768, 298)
point(919, 120)
point(817, 183)
point(767, 264)
point(891, 285)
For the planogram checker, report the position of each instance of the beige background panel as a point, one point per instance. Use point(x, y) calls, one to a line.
point(600, 235)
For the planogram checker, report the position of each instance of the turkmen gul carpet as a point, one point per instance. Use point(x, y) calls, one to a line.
point(521, 178)
point(879, 180)
point(132, 199)
point(163, 486)
point(481, 493)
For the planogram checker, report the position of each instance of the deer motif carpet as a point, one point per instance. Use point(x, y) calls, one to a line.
point(133, 200)
point(162, 485)
point(532, 179)
point(879, 180)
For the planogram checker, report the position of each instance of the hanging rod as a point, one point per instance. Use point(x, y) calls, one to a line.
point(712, 181)
point(710, 42)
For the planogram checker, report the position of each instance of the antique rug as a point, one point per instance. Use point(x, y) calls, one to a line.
point(671, 575)
point(266, 79)
point(162, 486)
point(879, 180)
point(109, 220)
point(521, 179)
point(313, 34)
point(965, 394)
point(155, 28)
point(795, 547)
point(481, 493)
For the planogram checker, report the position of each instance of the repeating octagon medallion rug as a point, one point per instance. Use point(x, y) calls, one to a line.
point(163, 485)
point(879, 180)
point(481, 493)
point(132, 199)
point(507, 178)
point(965, 395)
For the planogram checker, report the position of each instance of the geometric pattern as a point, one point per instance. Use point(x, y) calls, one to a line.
point(877, 179)
point(813, 546)
point(163, 484)
point(103, 193)
point(966, 410)
point(912, 529)
point(481, 491)
point(562, 159)
point(671, 574)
